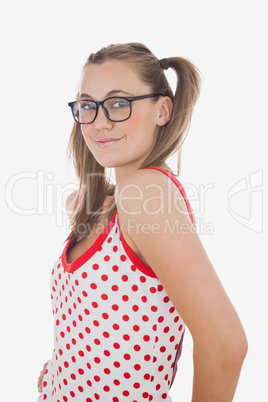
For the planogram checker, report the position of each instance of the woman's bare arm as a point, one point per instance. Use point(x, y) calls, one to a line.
point(157, 223)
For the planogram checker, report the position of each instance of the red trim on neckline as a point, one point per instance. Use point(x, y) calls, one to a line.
point(71, 267)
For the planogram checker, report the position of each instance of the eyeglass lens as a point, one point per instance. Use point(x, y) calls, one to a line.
point(115, 109)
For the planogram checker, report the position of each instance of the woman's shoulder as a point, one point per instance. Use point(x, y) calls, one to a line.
point(150, 192)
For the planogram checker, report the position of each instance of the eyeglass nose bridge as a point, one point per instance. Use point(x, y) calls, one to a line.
point(105, 111)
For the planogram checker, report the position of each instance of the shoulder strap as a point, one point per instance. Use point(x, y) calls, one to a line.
point(180, 187)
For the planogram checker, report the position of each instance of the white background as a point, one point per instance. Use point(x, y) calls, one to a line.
point(43, 48)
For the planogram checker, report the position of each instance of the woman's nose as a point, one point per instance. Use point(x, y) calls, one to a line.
point(101, 120)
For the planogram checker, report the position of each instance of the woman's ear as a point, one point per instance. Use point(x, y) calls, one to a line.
point(165, 111)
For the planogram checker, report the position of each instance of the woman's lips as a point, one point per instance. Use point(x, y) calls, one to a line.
point(107, 142)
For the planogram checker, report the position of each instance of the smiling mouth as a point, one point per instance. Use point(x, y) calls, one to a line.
point(106, 142)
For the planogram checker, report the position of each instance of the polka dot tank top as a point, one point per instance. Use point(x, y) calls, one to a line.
point(117, 335)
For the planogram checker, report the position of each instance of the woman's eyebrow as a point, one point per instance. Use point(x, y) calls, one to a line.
point(110, 93)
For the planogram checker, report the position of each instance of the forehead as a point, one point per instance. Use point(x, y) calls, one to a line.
point(97, 80)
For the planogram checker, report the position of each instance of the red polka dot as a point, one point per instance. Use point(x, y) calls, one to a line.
point(126, 337)
point(104, 278)
point(143, 279)
point(81, 371)
point(73, 376)
point(145, 318)
point(116, 382)
point(115, 248)
point(107, 258)
point(136, 385)
point(134, 288)
point(144, 299)
point(105, 316)
point(136, 328)
point(137, 348)
point(115, 288)
point(137, 367)
point(96, 323)
point(93, 286)
point(106, 388)
point(127, 375)
point(127, 356)
point(125, 278)
point(123, 257)
point(84, 275)
point(107, 371)
point(115, 307)
point(125, 317)
point(153, 290)
point(104, 296)
point(125, 393)
point(94, 304)
point(147, 358)
point(84, 293)
point(95, 267)
point(97, 360)
point(116, 345)
point(86, 311)
point(125, 298)
point(180, 327)
point(106, 334)
point(115, 268)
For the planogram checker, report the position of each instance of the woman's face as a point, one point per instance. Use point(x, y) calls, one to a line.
point(132, 140)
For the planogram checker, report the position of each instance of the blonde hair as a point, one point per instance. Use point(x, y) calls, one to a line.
point(94, 184)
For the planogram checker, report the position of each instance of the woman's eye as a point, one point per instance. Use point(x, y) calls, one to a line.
point(120, 103)
point(88, 106)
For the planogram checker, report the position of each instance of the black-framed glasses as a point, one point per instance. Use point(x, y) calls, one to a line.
point(115, 108)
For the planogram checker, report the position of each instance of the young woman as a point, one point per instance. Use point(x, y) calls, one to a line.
point(133, 273)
